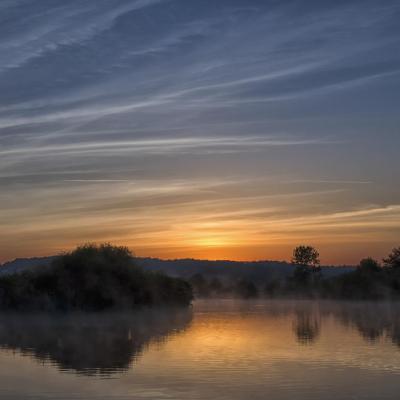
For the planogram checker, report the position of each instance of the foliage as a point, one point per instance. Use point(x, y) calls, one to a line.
point(306, 256)
point(91, 278)
point(393, 259)
point(308, 267)
point(102, 277)
point(369, 265)
point(368, 281)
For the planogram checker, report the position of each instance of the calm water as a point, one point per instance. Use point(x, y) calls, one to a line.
point(217, 350)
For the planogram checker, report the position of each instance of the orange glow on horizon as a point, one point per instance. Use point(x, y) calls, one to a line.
point(237, 230)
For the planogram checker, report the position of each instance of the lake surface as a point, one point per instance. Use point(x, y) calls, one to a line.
point(216, 350)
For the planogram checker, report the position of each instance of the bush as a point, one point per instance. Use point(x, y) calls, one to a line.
point(92, 278)
point(393, 259)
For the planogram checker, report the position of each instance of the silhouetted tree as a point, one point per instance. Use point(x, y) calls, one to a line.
point(369, 265)
point(368, 281)
point(393, 259)
point(308, 265)
point(306, 256)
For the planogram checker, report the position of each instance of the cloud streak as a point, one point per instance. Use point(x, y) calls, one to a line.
point(152, 122)
point(160, 146)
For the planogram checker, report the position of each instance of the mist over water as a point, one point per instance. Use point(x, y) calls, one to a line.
point(90, 344)
point(218, 350)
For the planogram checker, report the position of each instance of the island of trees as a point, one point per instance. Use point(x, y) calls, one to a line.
point(92, 278)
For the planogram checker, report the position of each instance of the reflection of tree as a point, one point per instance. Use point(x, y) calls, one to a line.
point(90, 343)
point(306, 326)
point(369, 329)
point(394, 333)
point(372, 320)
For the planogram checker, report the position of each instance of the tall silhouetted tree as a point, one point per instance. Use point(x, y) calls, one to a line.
point(308, 265)
point(306, 256)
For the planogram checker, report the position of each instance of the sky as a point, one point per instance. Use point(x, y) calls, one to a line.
point(229, 129)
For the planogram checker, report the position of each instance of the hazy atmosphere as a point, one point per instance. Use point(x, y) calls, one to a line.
point(208, 129)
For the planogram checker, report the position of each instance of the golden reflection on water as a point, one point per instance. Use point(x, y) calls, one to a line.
point(344, 333)
point(218, 349)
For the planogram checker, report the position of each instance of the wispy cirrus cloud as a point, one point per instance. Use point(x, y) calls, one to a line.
point(69, 25)
point(160, 146)
point(158, 121)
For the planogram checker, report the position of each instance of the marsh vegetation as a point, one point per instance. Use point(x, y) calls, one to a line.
point(91, 278)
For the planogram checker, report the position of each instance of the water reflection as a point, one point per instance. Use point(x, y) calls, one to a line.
point(307, 326)
point(308, 350)
point(90, 344)
point(106, 344)
point(373, 321)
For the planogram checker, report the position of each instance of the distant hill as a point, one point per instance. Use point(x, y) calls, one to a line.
point(22, 264)
point(185, 268)
point(223, 269)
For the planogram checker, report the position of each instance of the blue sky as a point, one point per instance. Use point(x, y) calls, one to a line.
point(218, 129)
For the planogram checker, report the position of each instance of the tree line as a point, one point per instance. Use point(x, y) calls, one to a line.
point(369, 280)
point(105, 277)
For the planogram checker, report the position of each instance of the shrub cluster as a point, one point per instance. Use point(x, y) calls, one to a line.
point(91, 278)
point(370, 280)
